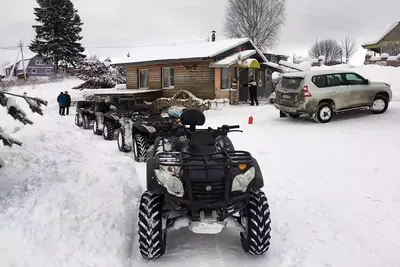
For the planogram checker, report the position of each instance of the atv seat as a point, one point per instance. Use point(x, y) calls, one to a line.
point(202, 142)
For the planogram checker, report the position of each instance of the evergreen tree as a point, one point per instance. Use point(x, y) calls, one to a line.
point(15, 111)
point(58, 38)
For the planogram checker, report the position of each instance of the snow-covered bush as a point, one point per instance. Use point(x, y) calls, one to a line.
point(97, 74)
point(14, 110)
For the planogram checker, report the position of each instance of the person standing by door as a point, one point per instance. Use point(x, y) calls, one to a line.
point(252, 85)
point(68, 105)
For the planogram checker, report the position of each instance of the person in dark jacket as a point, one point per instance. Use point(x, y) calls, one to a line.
point(62, 102)
point(68, 97)
point(252, 85)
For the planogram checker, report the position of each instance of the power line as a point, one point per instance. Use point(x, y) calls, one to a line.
point(9, 48)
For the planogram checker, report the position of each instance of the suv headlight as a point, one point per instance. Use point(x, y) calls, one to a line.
point(172, 183)
point(241, 181)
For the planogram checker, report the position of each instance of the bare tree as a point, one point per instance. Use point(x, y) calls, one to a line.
point(349, 46)
point(329, 48)
point(259, 20)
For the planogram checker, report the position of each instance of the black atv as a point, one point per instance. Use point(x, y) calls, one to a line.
point(139, 135)
point(85, 113)
point(209, 186)
point(107, 123)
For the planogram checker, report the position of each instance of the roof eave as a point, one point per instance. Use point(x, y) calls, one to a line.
point(162, 61)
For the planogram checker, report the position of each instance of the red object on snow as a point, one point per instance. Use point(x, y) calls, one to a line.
point(251, 120)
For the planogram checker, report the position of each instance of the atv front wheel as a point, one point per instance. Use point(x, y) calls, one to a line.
point(152, 239)
point(96, 129)
point(256, 240)
point(86, 122)
point(122, 146)
point(108, 131)
point(78, 121)
point(139, 148)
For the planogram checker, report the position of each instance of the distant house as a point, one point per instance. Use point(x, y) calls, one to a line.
point(34, 67)
point(207, 69)
point(388, 43)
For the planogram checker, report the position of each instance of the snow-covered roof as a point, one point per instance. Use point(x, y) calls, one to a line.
point(26, 63)
point(233, 59)
point(8, 66)
point(193, 50)
point(394, 25)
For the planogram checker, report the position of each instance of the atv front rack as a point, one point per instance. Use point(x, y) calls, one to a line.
point(186, 159)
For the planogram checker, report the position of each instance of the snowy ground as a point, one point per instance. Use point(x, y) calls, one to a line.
point(333, 191)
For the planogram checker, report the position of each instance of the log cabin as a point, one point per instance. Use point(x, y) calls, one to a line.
point(208, 69)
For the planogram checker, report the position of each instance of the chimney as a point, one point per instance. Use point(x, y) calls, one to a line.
point(213, 36)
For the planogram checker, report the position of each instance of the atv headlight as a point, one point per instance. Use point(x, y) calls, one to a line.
point(151, 129)
point(172, 183)
point(241, 181)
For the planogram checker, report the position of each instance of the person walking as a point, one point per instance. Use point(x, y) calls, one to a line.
point(252, 85)
point(62, 102)
point(68, 97)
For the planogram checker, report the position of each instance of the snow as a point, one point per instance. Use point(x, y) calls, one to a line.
point(390, 28)
point(26, 63)
point(234, 58)
point(69, 198)
point(182, 51)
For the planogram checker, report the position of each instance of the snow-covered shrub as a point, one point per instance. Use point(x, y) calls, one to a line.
point(384, 56)
point(97, 75)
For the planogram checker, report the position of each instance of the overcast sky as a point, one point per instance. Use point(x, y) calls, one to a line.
point(111, 27)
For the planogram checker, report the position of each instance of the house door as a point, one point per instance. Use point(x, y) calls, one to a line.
point(243, 91)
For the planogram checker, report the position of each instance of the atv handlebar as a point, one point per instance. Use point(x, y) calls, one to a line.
point(224, 129)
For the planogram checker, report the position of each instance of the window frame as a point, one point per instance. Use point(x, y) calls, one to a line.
point(33, 71)
point(364, 81)
point(170, 85)
point(226, 78)
point(139, 80)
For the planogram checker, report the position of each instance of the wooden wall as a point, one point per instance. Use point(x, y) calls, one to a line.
point(200, 81)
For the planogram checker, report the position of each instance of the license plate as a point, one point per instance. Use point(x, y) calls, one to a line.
point(287, 97)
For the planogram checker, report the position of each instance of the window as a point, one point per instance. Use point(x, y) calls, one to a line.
point(48, 71)
point(33, 71)
point(224, 78)
point(354, 79)
point(39, 62)
point(143, 79)
point(334, 80)
point(319, 81)
point(291, 82)
point(168, 77)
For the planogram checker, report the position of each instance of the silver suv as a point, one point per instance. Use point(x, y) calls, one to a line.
point(322, 93)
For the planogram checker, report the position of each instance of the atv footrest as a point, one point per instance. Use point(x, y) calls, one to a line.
point(207, 227)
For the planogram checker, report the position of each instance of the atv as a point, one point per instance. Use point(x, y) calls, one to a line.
point(208, 186)
point(140, 134)
point(106, 123)
point(85, 113)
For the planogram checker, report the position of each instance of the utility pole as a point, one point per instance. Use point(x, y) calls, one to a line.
point(21, 46)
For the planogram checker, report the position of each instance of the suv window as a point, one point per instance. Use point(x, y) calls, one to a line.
point(319, 81)
point(354, 79)
point(291, 82)
point(334, 80)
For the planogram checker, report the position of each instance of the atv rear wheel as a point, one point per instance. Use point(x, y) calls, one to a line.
point(139, 148)
point(108, 131)
point(256, 240)
point(152, 238)
point(96, 129)
point(122, 146)
point(86, 122)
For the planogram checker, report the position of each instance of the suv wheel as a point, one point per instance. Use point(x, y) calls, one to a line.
point(256, 240)
point(139, 148)
point(122, 146)
point(78, 121)
point(152, 239)
point(96, 129)
point(324, 113)
point(108, 131)
point(380, 105)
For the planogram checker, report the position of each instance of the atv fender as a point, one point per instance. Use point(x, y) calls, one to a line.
point(258, 181)
point(152, 184)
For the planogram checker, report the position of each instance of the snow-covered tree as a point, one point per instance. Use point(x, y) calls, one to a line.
point(97, 74)
point(15, 111)
point(58, 38)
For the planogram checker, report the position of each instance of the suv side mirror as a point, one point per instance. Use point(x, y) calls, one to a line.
point(367, 81)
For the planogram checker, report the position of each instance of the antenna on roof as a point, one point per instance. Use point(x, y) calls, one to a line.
point(128, 55)
point(213, 36)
